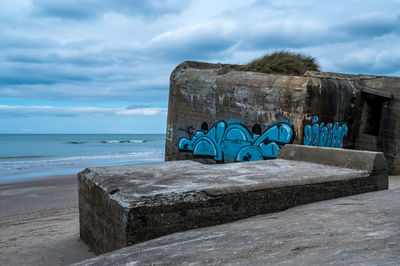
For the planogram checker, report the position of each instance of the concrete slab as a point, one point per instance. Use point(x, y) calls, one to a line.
point(353, 159)
point(127, 183)
point(394, 181)
point(357, 230)
point(125, 205)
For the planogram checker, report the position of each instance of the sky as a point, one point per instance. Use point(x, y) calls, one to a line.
point(103, 66)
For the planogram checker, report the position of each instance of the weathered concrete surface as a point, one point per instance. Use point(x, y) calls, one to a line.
point(357, 230)
point(373, 162)
point(124, 205)
point(394, 181)
point(377, 104)
point(207, 93)
point(201, 92)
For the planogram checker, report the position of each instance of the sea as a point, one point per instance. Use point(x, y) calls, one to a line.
point(28, 156)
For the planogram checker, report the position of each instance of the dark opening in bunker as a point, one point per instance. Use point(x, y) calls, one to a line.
point(371, 114)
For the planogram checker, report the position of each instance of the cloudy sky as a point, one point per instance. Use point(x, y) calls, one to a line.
point(103, 66)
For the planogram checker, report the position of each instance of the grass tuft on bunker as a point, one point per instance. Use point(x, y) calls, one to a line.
point(281, 62)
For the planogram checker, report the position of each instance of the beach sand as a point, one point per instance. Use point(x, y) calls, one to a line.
point(39, 222)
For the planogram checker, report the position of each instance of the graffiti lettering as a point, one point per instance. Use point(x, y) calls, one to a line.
point(324, 136)
point(234, 142)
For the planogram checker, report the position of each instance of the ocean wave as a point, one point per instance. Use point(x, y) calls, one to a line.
point(85, 161)
point(124, 141)
point(22, 157)
point(111, 141)
point(138, 140)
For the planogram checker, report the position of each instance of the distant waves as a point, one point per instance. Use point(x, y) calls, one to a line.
point(125, 141)
point(112, 141)
point(22, 157)
point(38, 155)
point(29, 165)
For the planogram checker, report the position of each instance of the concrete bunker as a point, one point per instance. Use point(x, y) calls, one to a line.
point(125, 205)
point(203, 94)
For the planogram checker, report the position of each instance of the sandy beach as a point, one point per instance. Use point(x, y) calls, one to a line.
point(39, 222)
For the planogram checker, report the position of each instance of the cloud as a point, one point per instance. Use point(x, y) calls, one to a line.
point(370, 25)
point(372, 61)
point(194, 42)
point(70, 60)
point(21, 111)
point(15, 42)
point(136, 106)
point(89, 60)
point(142, 111)
point(78, 10)
point(125, 50)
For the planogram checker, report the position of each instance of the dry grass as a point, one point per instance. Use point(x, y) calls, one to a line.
point(281, 62)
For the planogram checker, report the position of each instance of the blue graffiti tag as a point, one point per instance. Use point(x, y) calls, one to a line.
point(324, 136)
point(234, 142)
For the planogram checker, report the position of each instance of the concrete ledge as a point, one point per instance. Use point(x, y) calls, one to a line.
point(357, 230)
point(354, 159)
point(125, 205)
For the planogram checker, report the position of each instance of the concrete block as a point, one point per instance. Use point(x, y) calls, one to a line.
point(124, 205)
point(373, 162)
point(358, 230)
point(354, 159)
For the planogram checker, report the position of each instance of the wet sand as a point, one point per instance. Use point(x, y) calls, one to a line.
point(39, 222)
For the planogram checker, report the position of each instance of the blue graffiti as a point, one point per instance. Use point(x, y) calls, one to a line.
point(234, 142)
point(324, 136)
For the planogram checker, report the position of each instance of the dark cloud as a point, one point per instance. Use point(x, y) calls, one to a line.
point(371, 64)
point(369, 25)
point(82, 77)
point(280, 41)
point(65, 9)
point(79, 10)
point(86, 92)
point(195, 47)
point(136, 106)
point(20, 74)
point(82, 60)
point(18, 79)
point(12, 41)
point(73, 111)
